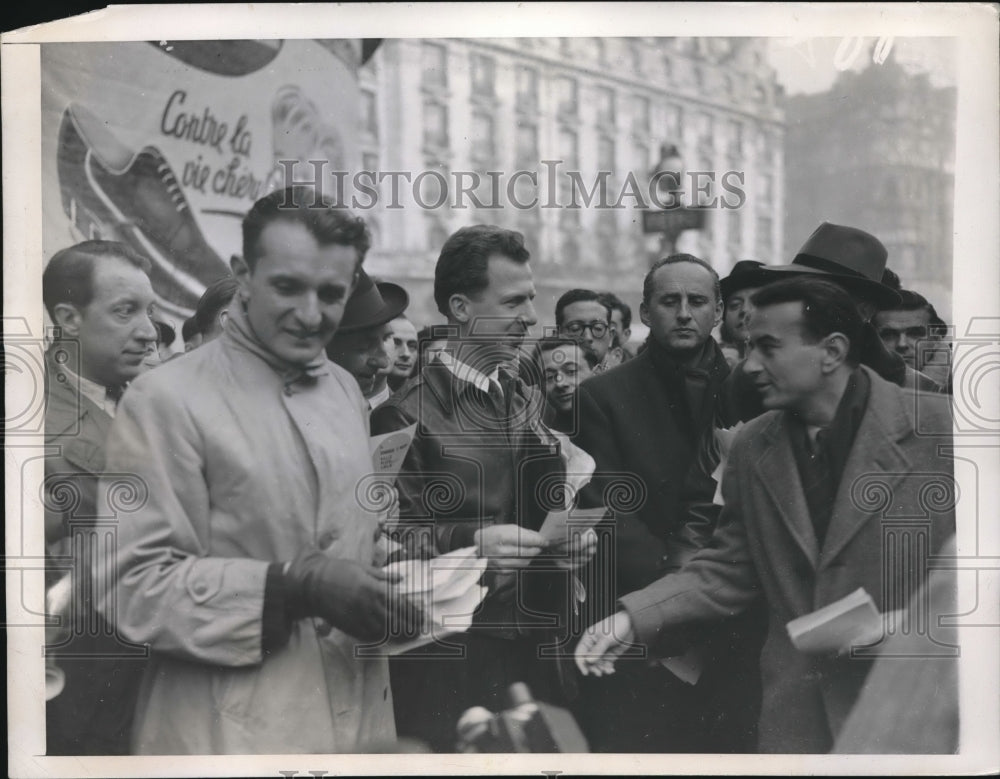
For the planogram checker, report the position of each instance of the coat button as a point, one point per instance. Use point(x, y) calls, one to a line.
point(326, 540)
point(200, 588)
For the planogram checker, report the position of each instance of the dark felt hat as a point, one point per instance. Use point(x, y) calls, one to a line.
point(372, 304)
point(745, 273)
point(851, 257)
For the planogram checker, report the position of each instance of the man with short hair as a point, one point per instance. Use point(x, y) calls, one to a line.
point(247, 568)
point(914, 331)
point(98, 295)
point(581, 314)
point(743, 280)
point(564, 366)
point(213, 306)
point(621, 325)
point(475, 475)
point(404, 341)
point(799, 529)
point(363, 343)
point(646, 420)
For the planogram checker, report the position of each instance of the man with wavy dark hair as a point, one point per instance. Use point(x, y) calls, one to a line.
point(481, 472)
point(248, 569)
point(814, 491)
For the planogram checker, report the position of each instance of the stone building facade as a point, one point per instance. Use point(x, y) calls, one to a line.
point(448, 110)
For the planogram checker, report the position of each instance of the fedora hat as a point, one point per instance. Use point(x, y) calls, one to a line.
point(372, 304)
point(851, 257)
point(745, 273)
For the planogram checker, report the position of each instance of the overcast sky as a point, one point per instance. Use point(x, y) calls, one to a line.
point(809, 64)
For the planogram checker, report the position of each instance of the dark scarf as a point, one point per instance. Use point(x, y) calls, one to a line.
point(693, 391)
point(240, 332)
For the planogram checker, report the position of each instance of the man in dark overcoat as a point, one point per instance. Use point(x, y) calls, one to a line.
point(643, 422)
point(827, 492)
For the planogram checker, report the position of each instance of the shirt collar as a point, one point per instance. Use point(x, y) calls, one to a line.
point(379, 398)
point(465, 372)
point(97, 393)
point(238, 329)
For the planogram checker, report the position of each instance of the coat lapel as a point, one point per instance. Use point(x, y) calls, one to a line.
point(778, 472)
point(873, 470)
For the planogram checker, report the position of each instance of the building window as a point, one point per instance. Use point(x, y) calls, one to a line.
point(569, 249)
point(668, 70)
point(568, 148)
point(527, 88)
point(528, 227)
point(483, 141)
point(764, 238)
point(765, 189)
point(437, 233)
point(735, 139)
point(640, 114)
point(483, 76)
point(635, 54)
point(605, 154)
point(640, 160)
point(675, 124)
point(704, 190)
point(526, 151)
point(734, 233)
point(369, 114)
point(435, 126)
point(566, 101)
point(765, 148)
point(605, 106)
point(434, 61)
point(706, 128)
point(568, 153)
point(608, 248)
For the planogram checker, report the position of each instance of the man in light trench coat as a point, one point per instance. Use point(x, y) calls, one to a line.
point(245, 559)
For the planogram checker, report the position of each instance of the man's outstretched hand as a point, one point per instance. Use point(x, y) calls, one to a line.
point(603, 643)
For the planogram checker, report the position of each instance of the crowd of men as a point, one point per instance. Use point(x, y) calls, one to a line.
point(251, 572)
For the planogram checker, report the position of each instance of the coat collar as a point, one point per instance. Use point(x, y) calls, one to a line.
point(69, 412)
point(447, 387)
point(875, 451)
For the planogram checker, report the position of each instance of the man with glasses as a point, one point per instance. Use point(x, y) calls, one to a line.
point(564, 365)
point(584, 317)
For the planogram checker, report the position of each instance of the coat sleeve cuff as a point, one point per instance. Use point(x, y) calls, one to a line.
point(276, 625)
point(644, 616)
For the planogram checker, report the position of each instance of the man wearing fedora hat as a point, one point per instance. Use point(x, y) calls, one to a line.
point(362, 343)
point(743, 280)
point(854, 260)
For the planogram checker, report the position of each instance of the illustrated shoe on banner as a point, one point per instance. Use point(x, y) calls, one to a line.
point(109, 191)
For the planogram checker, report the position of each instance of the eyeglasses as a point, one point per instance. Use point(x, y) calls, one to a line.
point(596, 328)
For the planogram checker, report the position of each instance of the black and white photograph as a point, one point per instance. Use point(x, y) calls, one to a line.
point(502, 389)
